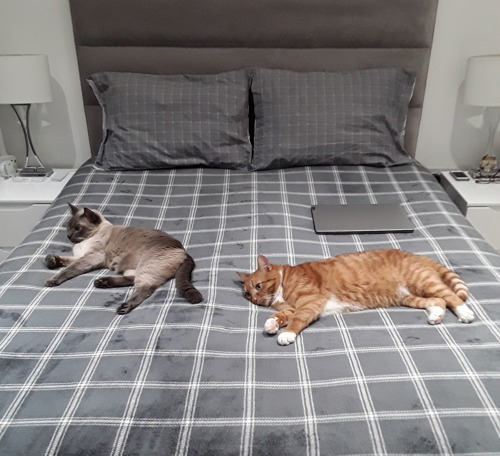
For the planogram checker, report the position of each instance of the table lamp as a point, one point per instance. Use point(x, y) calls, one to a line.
point(24, 80)
point(482, 88)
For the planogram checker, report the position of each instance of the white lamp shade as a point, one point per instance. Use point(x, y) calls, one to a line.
point(482, 81)
point(24, 79)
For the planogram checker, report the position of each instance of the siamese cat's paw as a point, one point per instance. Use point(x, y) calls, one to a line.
point(102, 282)
point(52, 282)
point(124, 309)
point(52, 262)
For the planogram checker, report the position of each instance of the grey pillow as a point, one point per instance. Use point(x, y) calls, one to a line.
point(320, 118)
point(168, 121)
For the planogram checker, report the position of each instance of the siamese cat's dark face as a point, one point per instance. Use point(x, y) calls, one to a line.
point(82, 224)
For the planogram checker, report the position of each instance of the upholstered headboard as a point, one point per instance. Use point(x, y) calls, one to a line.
point(210, 36)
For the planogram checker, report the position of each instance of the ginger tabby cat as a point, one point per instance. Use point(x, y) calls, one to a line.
point(351, 282)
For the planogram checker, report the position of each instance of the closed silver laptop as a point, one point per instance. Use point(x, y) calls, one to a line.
point(360, 218)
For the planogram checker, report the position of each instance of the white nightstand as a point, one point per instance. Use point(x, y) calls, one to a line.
point(23, 201)
point(480, 203)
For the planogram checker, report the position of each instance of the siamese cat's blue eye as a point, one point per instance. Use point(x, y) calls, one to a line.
point(78, 228)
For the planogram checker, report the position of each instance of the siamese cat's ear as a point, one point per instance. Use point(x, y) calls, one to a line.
point(74, 209)
point(91, 216)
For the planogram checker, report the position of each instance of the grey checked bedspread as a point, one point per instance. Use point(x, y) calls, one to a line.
point(178, 379)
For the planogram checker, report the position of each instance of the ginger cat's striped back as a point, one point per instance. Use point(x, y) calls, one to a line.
point(351, 282)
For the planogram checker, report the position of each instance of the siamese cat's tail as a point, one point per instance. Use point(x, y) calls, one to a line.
point(183, 281)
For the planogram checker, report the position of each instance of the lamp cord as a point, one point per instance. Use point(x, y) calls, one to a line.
point(494, 123)
point(27, 136)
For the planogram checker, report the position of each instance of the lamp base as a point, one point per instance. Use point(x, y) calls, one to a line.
point(34, 171)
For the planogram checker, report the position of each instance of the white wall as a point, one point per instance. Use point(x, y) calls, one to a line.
point(447, 140)
point(58, 128)
point(463, 28)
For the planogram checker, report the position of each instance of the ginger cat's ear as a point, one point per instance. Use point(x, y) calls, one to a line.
point(243, 275)
point(264, 263)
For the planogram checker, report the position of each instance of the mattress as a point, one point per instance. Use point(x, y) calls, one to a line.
point(179, 379)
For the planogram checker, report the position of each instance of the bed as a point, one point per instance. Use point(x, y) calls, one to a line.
point(173, 378)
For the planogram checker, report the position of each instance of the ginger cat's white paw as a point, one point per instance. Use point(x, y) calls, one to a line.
point(436, 315)
point(286, 338)
point(464, 314)
point(271, 326)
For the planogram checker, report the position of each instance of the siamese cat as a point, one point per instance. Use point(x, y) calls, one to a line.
point(142, 257)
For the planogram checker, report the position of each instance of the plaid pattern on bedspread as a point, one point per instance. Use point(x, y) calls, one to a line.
point(178, 379)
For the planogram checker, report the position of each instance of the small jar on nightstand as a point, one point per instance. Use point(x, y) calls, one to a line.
point(23, 201)
point(480, 203)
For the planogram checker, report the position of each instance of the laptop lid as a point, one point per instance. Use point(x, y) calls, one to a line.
point(360, 218)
